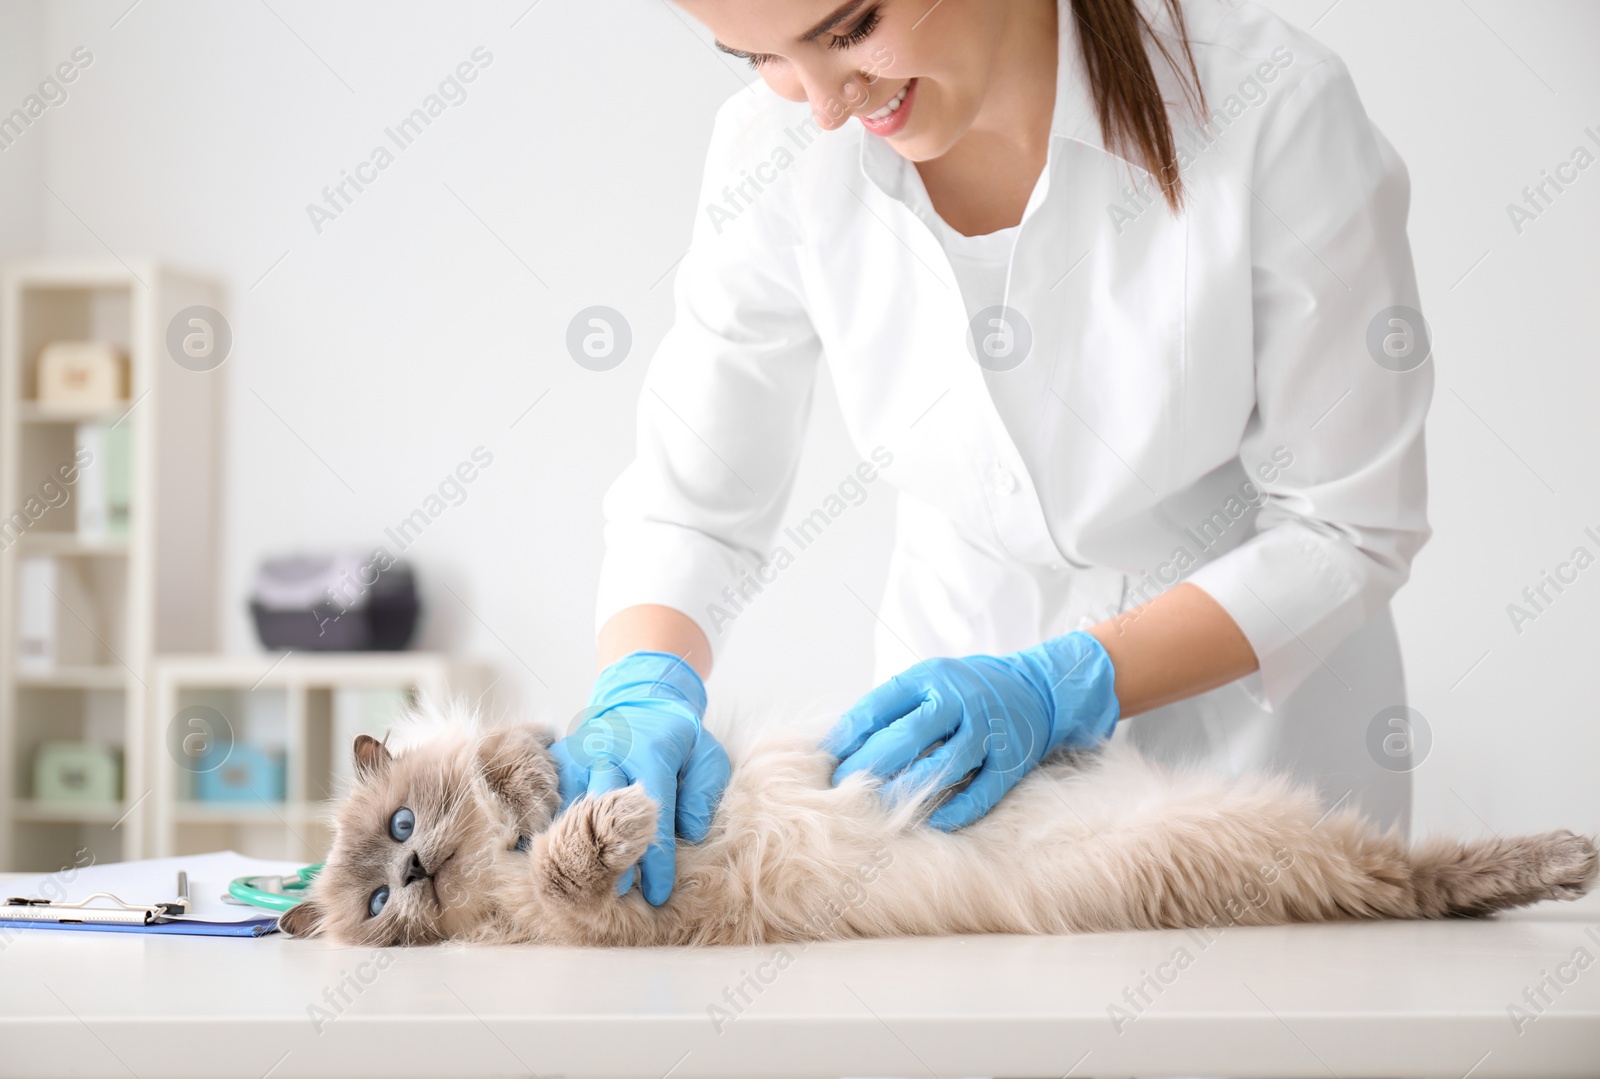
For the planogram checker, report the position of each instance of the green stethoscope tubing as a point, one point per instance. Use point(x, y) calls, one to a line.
point(290, 891)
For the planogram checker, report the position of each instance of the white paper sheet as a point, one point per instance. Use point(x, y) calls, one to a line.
point(154, 880)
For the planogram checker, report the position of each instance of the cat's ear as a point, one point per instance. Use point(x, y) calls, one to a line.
point(304, 919)
point(516, 763)
point(372, 757)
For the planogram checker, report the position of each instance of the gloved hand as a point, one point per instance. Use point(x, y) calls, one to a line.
point(643, 726)
point(997, 714)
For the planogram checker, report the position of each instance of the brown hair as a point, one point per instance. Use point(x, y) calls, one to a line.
point(1133, 118)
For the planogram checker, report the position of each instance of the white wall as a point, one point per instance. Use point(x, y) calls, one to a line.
point(22, 162)
point(373, 357)
point(379, 353)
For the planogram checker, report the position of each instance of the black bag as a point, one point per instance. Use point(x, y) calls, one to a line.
point(335, 603)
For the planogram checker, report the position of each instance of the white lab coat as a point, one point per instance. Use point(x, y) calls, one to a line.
point(1200, 401)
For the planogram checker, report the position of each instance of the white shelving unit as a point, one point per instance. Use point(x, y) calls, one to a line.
point(153, 591)
point(293, 704)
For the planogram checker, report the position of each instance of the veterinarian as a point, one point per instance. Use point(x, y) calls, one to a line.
point(1149, 371)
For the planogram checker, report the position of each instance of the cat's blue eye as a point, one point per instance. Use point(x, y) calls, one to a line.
point(402, 824)
point(379, 898)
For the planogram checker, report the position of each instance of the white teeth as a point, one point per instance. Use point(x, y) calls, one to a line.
point(892, 106)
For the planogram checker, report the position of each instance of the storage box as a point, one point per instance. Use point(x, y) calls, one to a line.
point(85, 373)
point(246, 774)
point(76, 772)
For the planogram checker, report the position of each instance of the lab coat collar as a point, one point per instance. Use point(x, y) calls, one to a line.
point(1074, 119)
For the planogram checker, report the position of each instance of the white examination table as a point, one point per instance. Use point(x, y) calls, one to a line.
point(1386, 999)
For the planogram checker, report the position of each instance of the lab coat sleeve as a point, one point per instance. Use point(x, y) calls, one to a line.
point(724, 403)
point(1340, 524)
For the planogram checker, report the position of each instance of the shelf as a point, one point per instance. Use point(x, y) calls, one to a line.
point(67, 544)
point(308, 706)
point(38, 412)
point(32, 809)
point(124, 597)
point(189, 811)
point(74, 678)
point(326, 669)
point(53, 272)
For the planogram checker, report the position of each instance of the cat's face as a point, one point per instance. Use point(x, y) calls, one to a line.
point(426, 836)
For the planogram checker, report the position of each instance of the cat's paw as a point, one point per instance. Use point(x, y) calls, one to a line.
point(1567, 865)
point(595, 840)
point(624, 825)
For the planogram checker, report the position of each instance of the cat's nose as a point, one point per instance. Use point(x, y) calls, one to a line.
point(414, 872)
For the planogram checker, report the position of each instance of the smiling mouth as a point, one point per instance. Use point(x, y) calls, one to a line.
point(893, 114)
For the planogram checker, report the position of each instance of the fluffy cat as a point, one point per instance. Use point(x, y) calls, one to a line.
point(457, 829)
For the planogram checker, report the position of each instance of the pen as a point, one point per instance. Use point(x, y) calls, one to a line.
point(181, 905)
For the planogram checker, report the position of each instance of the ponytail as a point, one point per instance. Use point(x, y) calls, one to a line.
point(1133, 118)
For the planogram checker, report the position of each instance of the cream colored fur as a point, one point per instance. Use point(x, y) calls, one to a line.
point(1094, 841)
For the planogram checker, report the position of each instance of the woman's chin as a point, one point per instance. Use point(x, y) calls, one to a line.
point(915, 150)
point(916, 143)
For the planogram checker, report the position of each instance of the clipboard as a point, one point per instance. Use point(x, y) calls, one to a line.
point(86, 911)
point(139, 897)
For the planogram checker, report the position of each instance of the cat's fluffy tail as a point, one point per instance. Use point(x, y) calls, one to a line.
point(1174, 850)
point(1451, 878)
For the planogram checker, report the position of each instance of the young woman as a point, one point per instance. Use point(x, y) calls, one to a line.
point(1117, 295)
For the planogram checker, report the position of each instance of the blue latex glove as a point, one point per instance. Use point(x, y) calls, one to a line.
point(643, 726)
point(999, 715)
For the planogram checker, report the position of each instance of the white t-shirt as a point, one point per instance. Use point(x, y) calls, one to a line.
point(982, 264)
